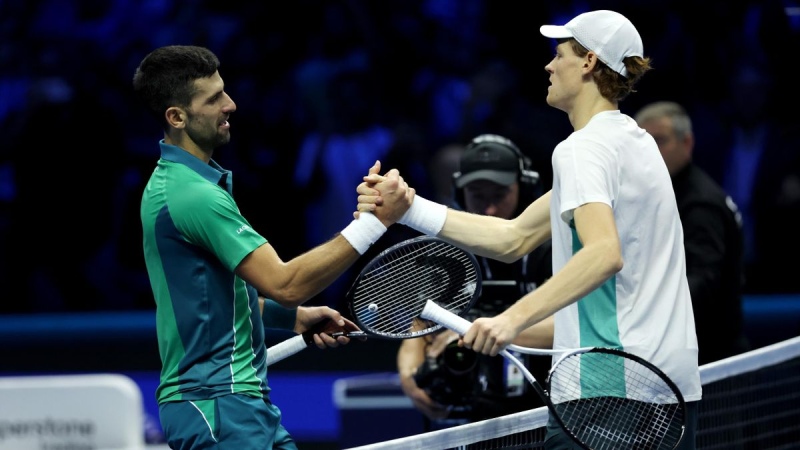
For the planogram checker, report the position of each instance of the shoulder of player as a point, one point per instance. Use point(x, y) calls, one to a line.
point(589, 140)
point(193, 195)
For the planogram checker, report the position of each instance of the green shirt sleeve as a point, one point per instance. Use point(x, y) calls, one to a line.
point(276, 316)
point(207, 216)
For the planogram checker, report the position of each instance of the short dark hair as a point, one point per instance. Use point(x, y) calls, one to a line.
point(166, 76)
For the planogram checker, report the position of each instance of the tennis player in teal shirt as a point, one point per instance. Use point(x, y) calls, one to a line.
point(211, 273)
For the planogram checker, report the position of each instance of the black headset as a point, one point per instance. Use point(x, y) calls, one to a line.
point(528, 178)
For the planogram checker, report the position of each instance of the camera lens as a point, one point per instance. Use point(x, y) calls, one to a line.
point(459, 360)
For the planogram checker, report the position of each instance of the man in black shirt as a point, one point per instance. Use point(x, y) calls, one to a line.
point(712, 231)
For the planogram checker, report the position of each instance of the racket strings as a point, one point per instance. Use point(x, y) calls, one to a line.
point(389, 297)
point(618, 403)
point(403, 297)
point(380, 287)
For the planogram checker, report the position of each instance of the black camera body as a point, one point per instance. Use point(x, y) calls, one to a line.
point(451, 378)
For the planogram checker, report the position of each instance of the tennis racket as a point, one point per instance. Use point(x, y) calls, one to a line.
point(388, 295)
point(603, 398)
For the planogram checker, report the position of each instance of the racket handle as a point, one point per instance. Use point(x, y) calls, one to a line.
point(289, 347)
point(283, 350)
point(436, 313)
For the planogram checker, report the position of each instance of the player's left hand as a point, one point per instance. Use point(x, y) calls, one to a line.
point(324, 320)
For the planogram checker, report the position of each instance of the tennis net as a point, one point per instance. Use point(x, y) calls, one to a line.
point(750, 401)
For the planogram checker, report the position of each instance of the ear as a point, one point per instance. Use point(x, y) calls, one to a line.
point(176, 117)
point(590, 61)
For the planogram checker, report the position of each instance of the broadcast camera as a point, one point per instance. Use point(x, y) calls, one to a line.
point(451, 378)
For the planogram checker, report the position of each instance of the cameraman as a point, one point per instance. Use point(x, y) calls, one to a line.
point(451, 384)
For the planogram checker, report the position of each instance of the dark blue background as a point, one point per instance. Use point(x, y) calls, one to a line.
point(324, 88)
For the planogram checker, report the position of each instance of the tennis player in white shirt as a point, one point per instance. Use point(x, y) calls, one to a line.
point(619, 269)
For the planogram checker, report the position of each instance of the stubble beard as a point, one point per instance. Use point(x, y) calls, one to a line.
point(209, 142)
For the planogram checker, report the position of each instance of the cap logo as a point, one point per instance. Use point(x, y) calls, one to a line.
point(492, 138)
point(486, 156)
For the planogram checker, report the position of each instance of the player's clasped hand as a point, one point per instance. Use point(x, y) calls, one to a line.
point(376, 188)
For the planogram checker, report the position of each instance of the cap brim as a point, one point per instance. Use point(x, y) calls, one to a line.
point(555, 31)
point(504, 178)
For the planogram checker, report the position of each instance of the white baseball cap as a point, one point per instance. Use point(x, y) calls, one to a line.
point(610, 35)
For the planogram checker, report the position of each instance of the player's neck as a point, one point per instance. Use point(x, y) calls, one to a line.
point(588, 104)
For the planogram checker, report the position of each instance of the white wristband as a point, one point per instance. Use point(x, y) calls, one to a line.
point(425, 216)
point(363, 232)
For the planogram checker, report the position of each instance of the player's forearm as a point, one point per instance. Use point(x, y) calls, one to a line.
point(500, 239)
point(487, 236)
point(274, 315)
point(586, 270)
point(539, 335)
point(292, 283)
point(483, 235)
point(313, 271)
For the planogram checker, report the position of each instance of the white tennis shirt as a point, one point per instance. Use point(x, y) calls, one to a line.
point(646, 308)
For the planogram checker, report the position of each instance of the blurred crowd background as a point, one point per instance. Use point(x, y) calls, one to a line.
point(324, 88)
